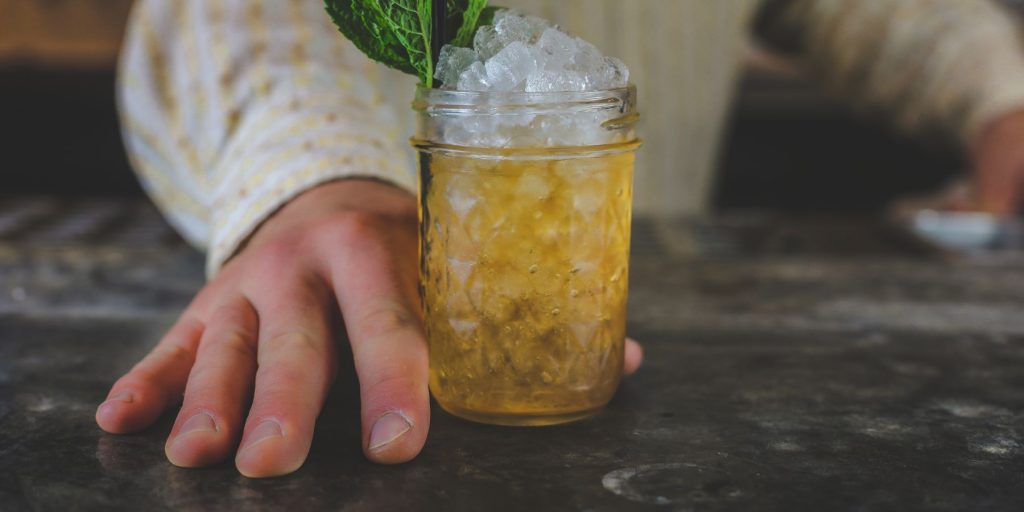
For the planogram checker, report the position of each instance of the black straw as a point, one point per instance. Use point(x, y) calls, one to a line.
point(438, 13)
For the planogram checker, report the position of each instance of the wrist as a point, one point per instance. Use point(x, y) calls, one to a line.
point(332, 198)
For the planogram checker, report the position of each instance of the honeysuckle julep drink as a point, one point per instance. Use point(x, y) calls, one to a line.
point(526, 166)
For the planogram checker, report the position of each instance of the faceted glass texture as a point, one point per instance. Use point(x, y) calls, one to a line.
point(524, 265)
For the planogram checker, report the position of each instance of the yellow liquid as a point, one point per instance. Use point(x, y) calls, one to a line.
point(524, 267)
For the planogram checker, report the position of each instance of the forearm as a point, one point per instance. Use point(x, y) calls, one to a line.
point(930, 65)
point(231, 108)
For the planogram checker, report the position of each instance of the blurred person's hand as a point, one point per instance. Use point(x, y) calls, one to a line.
point(254, 353)
point(998, 160)
point(996, 183)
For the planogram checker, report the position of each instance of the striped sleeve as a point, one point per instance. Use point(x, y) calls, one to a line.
point(948, 66)
point(230, 108)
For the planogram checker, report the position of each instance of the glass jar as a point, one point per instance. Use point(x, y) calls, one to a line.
point(525, 202)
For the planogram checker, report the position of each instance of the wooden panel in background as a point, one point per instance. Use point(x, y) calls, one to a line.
point(75, 33)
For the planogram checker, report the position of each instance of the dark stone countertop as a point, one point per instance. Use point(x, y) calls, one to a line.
point(824, 365)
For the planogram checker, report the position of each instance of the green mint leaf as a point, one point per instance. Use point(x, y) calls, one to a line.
point(393, 32)
point(397, 32)
point(469, 21)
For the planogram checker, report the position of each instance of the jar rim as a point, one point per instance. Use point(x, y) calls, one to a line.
point(446, 101)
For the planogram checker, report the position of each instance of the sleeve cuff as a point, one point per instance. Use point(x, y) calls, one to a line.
point(1004, 95)
point(313, 143)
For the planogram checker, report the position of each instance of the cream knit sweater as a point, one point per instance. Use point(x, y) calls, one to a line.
point(232, 107)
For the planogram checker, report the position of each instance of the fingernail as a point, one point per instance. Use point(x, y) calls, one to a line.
point(122, 396)
point(389, 427)
point(268, 429)
point(201, 422)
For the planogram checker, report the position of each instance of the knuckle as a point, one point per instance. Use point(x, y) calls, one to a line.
point(148, 371)
point(277, 389)
point(237, 313)
point(137, 379)
point(274, 398)
point(212, 399)
point(234, 341)
point(354, 226)
point(390, 381)
point(289, 384)
point(202, 395)
point(292, 342)
point(386, 321)
point(275, 256)
point(189, 326)
point(364, 231)
point(173, 353)
point(146, 383)
point(278, 382)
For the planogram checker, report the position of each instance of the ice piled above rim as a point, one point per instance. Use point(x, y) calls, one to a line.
point(529, 54)
point(522, 56)
point(525, 119)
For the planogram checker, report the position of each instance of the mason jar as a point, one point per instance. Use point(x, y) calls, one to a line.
point(525, 202)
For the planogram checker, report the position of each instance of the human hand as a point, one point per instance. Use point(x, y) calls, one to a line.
point(996, 184)
point(998, 158)
point(261, 331)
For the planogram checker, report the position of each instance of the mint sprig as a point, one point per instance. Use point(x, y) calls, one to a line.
point(397, 33)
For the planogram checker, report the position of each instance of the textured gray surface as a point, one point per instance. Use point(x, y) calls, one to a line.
point(829, 365)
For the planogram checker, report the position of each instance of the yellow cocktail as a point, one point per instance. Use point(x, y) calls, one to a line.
point(524, 265)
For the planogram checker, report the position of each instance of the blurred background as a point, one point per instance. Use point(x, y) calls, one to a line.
point(785, 147)
point(58, 123)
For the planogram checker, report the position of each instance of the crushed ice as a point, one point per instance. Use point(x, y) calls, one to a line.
point(526, 53)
